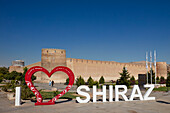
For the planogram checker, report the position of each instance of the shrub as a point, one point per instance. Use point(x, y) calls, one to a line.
point(136, 82)
point(157, 79)
point(101, 81)
point(18, 78)
point(26, 92)
point(132, 82)
point(96, 83)
point(4, 88)
point(162, 80)
point(107, 86)
point(67, 81)
point(9, 86)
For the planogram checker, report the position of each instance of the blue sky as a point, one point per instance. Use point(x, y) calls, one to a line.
point(121, 30)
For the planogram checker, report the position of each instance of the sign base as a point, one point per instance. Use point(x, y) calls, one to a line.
point(44, 103)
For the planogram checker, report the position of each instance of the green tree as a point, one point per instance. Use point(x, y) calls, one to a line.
point(168, 81)
point(23, 76)
point(157, 79)
point(132, 80)
point(1, 79)
point(124, 78)
point(90, 82)
point(13, 75)
point(4, 70)
point(67, 81)
point(26, 92)
point(80, 81)
point(101, 81)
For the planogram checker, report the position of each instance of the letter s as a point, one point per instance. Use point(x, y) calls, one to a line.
point(83, 94)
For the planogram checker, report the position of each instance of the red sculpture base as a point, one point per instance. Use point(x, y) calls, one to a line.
point(44, 103)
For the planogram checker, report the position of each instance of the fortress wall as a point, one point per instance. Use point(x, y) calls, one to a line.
point(16, 68)
point(135, 69)
point(34, 64)
point(162, 69)
point(109, 69)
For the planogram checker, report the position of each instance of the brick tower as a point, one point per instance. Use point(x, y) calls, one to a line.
point(51, 58)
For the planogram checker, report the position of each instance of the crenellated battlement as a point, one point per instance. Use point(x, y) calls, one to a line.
point(74, 60)
point(53, 51)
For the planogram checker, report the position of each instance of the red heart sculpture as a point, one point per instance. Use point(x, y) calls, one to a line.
point(29, 83)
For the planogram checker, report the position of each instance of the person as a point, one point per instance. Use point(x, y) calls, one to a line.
point(117, 82)
point(52, 83)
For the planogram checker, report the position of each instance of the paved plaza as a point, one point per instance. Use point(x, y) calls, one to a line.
point(160, 105)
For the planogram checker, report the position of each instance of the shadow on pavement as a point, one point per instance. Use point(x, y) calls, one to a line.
point(163, 102)
point(69, 99)
point(63, 101)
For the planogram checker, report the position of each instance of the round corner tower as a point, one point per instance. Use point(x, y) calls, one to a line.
point(51, 58)
point(162, 69)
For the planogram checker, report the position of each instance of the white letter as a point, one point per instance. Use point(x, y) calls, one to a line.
point(18, 96)
point(136, 88)
point(83, 94)
point(95, 93)
point(149, 92)
point(117, 93)
point(110, 93)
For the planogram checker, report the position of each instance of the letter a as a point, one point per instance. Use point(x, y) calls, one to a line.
point(148, 92)
point(136, 88)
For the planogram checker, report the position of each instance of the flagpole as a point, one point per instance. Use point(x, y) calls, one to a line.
point(151, 65)
point(147, 65)
point(155, 64)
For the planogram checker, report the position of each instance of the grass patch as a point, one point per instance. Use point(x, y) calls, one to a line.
point(161, 89)
point(50, 95)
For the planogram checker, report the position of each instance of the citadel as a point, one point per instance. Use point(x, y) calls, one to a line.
point(51, 58)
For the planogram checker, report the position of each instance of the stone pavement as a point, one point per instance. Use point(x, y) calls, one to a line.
point(161, 105)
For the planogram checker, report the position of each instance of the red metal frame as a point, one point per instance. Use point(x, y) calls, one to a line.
point(29, 83)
